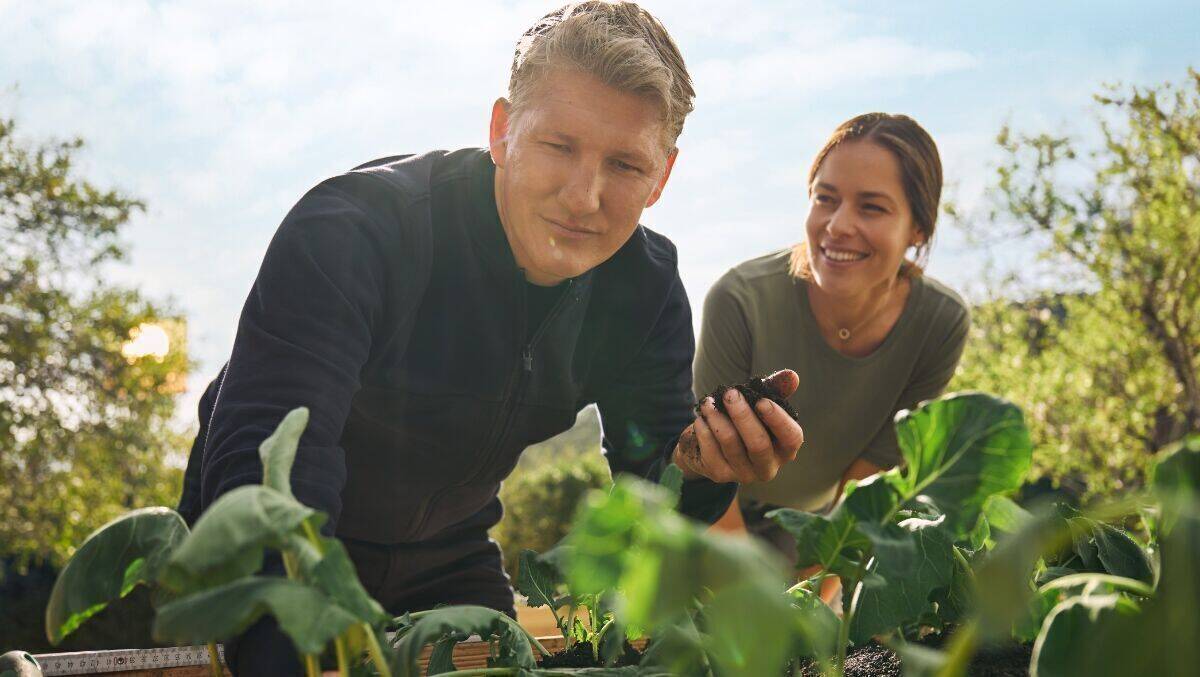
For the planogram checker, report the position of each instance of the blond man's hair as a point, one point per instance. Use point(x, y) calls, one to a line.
point(618, 43)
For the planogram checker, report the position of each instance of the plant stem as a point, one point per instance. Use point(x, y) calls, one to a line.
point(1119, 582)
point(839, 665)
point(570, 636)
point(214, 661)
point(376, 652)
point(312, 536)
point(311, 667)
point(339, 645)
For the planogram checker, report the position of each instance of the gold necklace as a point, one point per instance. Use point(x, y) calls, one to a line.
point(844, 333)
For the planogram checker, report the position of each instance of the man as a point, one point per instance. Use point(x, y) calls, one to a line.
point(439, 313)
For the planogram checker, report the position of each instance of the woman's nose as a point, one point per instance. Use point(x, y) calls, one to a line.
point(841, 222)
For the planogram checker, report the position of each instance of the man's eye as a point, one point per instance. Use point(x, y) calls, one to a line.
point(625, 166)
point(556, 146)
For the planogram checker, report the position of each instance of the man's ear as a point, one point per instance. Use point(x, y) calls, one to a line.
point(662, 183)
point(498, 131)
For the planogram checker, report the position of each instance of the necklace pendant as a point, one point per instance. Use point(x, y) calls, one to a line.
point(844, 334)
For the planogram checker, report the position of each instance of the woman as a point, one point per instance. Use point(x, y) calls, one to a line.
point(866, 331)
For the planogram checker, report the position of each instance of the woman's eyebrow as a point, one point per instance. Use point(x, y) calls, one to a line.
point(875, 195)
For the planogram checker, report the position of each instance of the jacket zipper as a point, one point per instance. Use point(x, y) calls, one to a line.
point(516, 386)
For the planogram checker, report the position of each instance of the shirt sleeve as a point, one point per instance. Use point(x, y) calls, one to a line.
point(303, 336)
point(928, 382)
point(644, 409)
point(723, 356)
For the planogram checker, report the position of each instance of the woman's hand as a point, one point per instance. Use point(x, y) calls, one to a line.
point(745, 446)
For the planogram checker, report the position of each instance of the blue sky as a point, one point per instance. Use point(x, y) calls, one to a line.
point(220, 114)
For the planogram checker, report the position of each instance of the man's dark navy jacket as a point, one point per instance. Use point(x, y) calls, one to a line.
point(389, 304)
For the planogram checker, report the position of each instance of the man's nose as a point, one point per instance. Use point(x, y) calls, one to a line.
point(580, 195)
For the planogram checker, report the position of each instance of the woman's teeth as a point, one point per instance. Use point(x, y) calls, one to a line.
point(835, 255)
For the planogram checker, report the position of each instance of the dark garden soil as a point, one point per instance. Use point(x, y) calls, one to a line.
point(580, 656)
point(753, 390)
point(873, 660)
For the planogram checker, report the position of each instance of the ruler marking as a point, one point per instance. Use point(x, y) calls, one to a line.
point(122, 660)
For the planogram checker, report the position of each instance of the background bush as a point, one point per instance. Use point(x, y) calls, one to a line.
point(541, 494)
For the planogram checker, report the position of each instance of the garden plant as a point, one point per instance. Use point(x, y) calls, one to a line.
point(935, 562)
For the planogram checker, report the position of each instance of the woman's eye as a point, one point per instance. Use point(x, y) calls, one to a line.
point(822, 199)
point(874, 208)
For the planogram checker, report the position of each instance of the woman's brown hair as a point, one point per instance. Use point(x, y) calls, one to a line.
point(920, 171)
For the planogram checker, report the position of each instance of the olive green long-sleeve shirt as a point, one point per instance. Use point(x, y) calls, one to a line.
point(757, 320)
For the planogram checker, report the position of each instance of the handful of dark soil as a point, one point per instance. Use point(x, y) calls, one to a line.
point(753, 390)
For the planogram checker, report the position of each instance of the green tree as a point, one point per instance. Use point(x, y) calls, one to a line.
point(1108, 374)
point(85, 428)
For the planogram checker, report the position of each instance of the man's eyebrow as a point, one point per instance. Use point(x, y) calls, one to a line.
point(633, 156)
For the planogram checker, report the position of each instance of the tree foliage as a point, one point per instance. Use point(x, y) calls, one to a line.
point(1110, 374)
point(85, 430)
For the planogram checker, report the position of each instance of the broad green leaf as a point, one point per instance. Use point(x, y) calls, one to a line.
point(455, 623)
point(1176, 477)
point(229, 538)
point(539, 580)
point(1070, 630)
point(677, 648)
point(980, 535)
point(603, 535)
point(1083, 542)
point(830, 541)
point(894, 545)
point(672, 480)
point(1003, 599)
point(1003, 514)
point(666, 564)
point(818, 625)
point(336, 576)
point(873, 499)
point(1121, 555)
point(954, 601)
point(908, 591)
point(1158, 641)
point(441, 659)
point(278, 452)
point(961, 449)
point(127, 551)
point(1028, 625)
point(305, 614)
point(751, 644)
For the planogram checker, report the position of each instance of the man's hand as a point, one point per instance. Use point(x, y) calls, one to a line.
point(745, 446)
